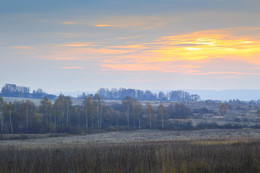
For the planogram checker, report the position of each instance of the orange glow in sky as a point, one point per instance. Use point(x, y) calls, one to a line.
point(194, 48)
point(91, 44)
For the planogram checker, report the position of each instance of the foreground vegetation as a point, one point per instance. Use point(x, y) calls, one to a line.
point(174, 156)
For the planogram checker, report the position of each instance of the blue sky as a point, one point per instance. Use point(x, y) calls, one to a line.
point(158, 45)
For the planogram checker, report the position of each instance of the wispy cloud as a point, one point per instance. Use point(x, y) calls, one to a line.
point(69, 23)
point(65, 58)
point(73, 67)
point(128, 37)
point(103, 25)
point(135, 46)
point(23, 47)
point(78, 44)
point(137, 22)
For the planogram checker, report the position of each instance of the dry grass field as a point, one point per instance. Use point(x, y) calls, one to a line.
point(138, 136)
point(134, 151)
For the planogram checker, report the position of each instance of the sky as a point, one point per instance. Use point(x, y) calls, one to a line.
point(84, 45)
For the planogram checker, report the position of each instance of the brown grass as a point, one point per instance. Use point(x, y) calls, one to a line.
point(178, 156)
point(136, 151)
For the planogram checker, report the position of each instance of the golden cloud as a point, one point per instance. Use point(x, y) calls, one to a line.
point(87, 44)
point(102, 25)
point(190, 53)
point(69, 23)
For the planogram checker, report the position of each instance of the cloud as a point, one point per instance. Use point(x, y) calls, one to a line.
point(206, 45)
point(23, 47)
point(130, 67)
point(69, 23)
point(65, 58)
point(136, 46)
point(103, 25)
point(128, 37)
point(229, 51)
point(138, 22)
point(78, 44)
point(177, 53)
point(73, 67)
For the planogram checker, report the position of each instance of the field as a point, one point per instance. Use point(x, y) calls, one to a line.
point(135, 151)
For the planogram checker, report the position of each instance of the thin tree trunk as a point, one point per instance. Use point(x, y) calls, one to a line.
point(162, 122)
point(78, 120)
point(55, 122)
point(10, 121)
point(49, 118)
point(134, 121)
point(92, 120)
point(128, 115)
point(100, 118)
point(150, 120)
point(27, 121)
point(97, 117)
point(86, 119)
point(62, 118)
point(2, 120)
point(67, 113)
point(139, 121)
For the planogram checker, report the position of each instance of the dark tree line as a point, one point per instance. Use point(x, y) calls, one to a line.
point(120, 94)
point(93, 114)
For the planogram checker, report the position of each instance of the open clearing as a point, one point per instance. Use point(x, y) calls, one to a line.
point(135, 137)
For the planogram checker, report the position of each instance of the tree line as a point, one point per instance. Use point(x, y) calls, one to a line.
point(62, 116)
point(12, 90)
point(120, 94)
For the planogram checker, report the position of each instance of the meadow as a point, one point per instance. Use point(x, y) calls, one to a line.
point(136, 151)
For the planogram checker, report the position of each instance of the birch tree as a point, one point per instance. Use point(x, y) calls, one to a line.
point(27, 109)
point(45, 109)
point(126, 104)
point(149, 112)
point(162, 112)
point(88, 109)
point(137, 112)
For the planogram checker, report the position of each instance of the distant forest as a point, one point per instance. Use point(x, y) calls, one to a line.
point(136, 110)
point(61, 116)
point(119, 94)
point(58, 114)
point(11, 90)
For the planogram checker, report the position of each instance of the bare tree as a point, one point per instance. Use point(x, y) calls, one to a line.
point(10, 106)
point(162, 112)
point(126, 104)
point(88, 108)
point(149, 112)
